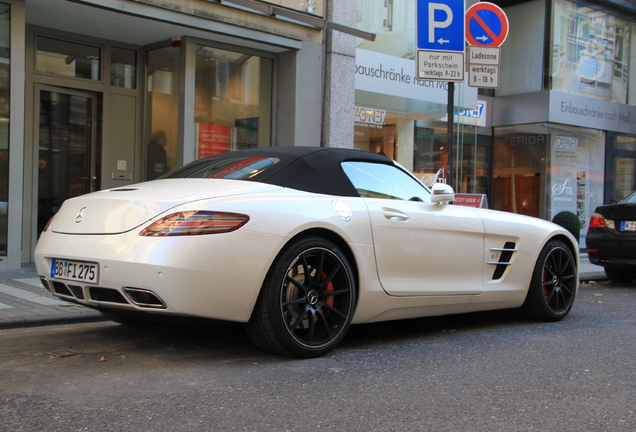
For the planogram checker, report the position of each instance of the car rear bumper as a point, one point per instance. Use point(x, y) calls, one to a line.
point(192, 276)
point(611, 250)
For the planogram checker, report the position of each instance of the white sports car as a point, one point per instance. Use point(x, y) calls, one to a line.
point(298, 243)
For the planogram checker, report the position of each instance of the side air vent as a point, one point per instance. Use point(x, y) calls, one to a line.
point(507, 252)
point(106, 295)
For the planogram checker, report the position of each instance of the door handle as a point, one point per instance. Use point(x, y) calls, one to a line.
point(394, 215)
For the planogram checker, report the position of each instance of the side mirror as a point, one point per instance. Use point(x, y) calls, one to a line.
point(442, 193)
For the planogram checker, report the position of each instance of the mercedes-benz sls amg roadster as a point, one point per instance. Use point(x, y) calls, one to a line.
point(298, 243)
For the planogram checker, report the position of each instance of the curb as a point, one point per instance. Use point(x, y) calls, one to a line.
point(51, 319)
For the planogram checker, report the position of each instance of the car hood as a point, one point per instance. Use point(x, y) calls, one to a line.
point(118, 210)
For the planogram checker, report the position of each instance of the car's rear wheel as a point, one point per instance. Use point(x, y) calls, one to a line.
point(553, 285)
point(307, 300)
point(621, 274)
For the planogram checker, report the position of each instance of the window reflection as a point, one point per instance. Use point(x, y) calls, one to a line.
point(58, 57)
point(590, 55)
point(232, 101)
point(123, 68)
point(163, 105)
point(374, 180)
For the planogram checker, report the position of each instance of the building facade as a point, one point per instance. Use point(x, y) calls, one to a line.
point(100, 94)
point(558, 134)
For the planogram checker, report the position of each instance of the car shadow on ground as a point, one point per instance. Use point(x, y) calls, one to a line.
point(216, 339)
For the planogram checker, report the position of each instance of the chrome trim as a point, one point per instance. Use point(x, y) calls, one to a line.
point(504, 250)
point(163, 304)
point(500, 263)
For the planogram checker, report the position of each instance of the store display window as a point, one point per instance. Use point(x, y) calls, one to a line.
point(543, 169)
point(232, 101)
point(591, 52)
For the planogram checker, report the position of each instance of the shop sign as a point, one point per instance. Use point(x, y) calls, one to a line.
point(591, 113)
point(566, 143)
point(213, 139)
point(369, 117)
point(471, 200)
point(475, 116)
point(389, 75)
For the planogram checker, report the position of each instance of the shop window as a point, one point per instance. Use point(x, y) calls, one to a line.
point(232, 102)
point(123, 68)
point(392, 22)
point(624, 174)
point(5, 58)
point(69, 59)
point(163, 111)
point(543, 169)
point(590, 52)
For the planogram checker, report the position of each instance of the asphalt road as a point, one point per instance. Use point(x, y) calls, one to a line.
point(476, 372)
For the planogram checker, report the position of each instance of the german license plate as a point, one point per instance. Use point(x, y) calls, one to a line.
point(75, 270)
point(628, 226)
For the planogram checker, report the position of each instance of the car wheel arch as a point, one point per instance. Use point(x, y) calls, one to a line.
point(574, 247)
point(336, 239)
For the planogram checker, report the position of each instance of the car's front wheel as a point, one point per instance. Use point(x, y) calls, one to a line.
point(621, 274)
point(307, 300)
point(553, 285)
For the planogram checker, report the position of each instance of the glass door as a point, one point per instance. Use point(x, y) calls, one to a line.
point(66, 138)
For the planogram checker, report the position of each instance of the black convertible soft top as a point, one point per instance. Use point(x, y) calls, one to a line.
point(310, 169)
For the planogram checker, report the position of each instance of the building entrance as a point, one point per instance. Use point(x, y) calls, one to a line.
point(66, 134)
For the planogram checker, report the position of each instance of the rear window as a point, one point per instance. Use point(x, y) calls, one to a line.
point(631, 198)
point(238, 168)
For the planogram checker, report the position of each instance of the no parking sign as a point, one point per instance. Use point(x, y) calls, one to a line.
point(486, 25)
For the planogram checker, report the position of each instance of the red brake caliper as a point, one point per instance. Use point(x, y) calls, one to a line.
point(329, 300)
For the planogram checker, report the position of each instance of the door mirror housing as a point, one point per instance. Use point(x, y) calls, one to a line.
point(442, 193)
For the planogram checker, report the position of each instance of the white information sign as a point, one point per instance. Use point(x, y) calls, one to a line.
point(483, 76)
point(483, 66)
point(440, 65)
point(484, 55)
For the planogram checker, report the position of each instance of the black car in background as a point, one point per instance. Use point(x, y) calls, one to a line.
point(611, 239)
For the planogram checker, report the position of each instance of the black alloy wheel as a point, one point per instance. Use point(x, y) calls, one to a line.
point(553, 285)
point(307, 301)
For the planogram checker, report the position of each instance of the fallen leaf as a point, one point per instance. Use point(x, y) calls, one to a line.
point(103, 359)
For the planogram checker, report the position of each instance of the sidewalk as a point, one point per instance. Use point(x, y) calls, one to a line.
point(25, 303)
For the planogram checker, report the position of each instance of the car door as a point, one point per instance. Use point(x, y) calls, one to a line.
point(421, 248)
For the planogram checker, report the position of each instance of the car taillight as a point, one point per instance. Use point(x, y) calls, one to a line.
point(48, 224)
point(598, 221)
point(196, 223)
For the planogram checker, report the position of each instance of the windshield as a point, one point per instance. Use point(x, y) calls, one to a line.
point(238, 168)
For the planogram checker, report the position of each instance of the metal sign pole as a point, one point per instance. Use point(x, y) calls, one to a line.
point(451, 123)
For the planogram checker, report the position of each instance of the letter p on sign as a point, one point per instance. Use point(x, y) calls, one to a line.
point(432, 15)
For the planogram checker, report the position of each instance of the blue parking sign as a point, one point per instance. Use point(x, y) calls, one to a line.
point(440, 25)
